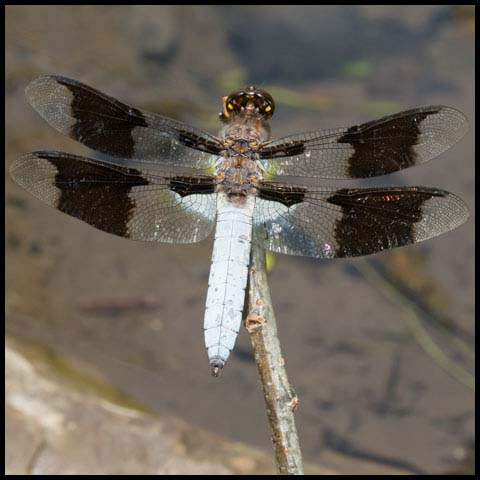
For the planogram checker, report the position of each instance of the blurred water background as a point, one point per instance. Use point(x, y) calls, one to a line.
point(357, 335)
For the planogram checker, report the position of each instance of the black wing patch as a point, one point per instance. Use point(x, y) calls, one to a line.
point(374, 148)
point(117, 130)
point(200, 142)
point(378, 219)
point(287, 195)
point(185, 185)
point(332, 223)
point(102, 123)
point(295, 147)
point(124, 201)
point(94, 192)
point(392, 143)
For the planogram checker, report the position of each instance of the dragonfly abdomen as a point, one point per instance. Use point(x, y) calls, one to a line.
point(228, 276)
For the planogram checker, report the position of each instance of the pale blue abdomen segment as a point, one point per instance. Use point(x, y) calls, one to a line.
point(228, 277)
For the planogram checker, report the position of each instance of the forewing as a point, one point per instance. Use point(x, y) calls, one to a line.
point(352, 222)
point(374, 148)
point(115, 129)
point(127, 202)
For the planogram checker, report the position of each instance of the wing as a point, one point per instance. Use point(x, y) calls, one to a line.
point(352, 222)
point(374, 148)
point(115, 129)
point(123, 201)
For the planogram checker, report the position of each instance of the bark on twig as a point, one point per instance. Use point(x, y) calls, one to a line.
point(280, 399)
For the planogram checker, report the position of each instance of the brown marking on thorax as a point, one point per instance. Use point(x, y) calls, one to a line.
point(238, 176)
point(240, 171)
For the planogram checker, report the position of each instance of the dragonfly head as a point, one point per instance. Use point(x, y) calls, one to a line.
point(249, 101)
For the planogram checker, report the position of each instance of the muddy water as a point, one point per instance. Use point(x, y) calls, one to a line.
point(132, 313)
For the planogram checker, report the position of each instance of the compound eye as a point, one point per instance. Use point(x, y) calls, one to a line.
point(267, 109)
point(233, 104)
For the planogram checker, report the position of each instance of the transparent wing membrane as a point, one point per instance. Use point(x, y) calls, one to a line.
point(334, 223)
point(115, 129)
point(123, 201)
point(374, 148)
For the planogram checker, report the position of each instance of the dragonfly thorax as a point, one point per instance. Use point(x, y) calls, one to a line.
point(238, 175)
point(247, 128)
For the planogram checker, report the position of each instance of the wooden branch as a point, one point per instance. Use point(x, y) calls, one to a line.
point(280, 399)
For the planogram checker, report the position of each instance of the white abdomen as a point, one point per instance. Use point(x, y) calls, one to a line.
point(228, 277)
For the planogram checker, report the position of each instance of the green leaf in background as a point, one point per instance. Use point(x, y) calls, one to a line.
point(270, 260)
point(298, 99)
point(358, 69)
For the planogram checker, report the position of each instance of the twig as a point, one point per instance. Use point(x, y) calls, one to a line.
point(280, 399)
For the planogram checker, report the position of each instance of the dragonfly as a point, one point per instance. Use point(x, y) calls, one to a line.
point(156, 179)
